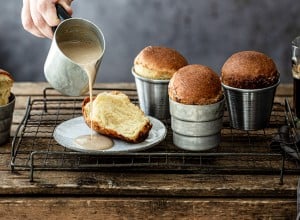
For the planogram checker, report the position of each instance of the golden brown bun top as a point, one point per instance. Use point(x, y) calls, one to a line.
point(195, 85)
point(5, 76)
point(158, 62)
point(249, 70)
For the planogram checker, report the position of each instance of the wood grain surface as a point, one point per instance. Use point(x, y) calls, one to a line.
point(141, 194)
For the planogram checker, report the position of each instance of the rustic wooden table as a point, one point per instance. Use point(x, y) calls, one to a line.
point(143, 193)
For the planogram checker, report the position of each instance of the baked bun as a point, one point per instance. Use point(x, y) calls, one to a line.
point(249, 70)
point(6, 82)
point(114, 115)
point(156, 62)
point(195, 85)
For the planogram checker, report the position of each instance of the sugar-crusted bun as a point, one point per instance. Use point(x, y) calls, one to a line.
point(114, 115)
point(195, 85)
point(157, 62)
point(6, 83)
point(249, 70)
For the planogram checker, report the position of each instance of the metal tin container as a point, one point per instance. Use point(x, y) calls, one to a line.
point(6, 116)
point(200, 143)
point(196, 127)
point(197, 112)
point(249, 109)
point(153, 96)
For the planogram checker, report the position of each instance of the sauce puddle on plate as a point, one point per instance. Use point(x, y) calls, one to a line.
point(94, 142)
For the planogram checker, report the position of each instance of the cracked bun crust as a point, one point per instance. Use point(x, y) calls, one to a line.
point(249, 70)
point(195, 85)
point(157, 62)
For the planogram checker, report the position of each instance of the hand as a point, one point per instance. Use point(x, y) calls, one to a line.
point(38, 16)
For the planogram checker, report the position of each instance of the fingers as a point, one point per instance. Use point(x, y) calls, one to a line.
point(43, 14)
point(39, 16)
point(46, 11)
point(27, 21)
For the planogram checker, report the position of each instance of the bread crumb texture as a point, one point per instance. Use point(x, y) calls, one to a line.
point(114, 115)
point(6, 83)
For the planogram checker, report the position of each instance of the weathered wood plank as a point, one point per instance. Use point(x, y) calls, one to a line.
point(36, 89)
point(145, 208)
point(284, 90)
point(122, 182)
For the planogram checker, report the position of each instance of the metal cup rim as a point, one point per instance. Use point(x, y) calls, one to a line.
point(198, 106)
point(148, 79)
point(251, 90)
point(197, 122)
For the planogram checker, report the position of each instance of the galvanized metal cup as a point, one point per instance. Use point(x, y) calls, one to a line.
point(6, 116)
point(153, 96)
point(249, 109)
point(196, 127)
point(62, 73)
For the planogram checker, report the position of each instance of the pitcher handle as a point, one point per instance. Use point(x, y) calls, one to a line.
point(62, 14)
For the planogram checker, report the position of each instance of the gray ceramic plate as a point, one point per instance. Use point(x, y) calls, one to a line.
point(66, 132)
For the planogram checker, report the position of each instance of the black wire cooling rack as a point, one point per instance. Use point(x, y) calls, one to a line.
point(253, 152)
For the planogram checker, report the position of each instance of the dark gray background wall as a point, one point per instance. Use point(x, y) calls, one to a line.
point(204, 31)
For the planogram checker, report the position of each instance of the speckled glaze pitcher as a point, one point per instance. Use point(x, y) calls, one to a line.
point(63, 74)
